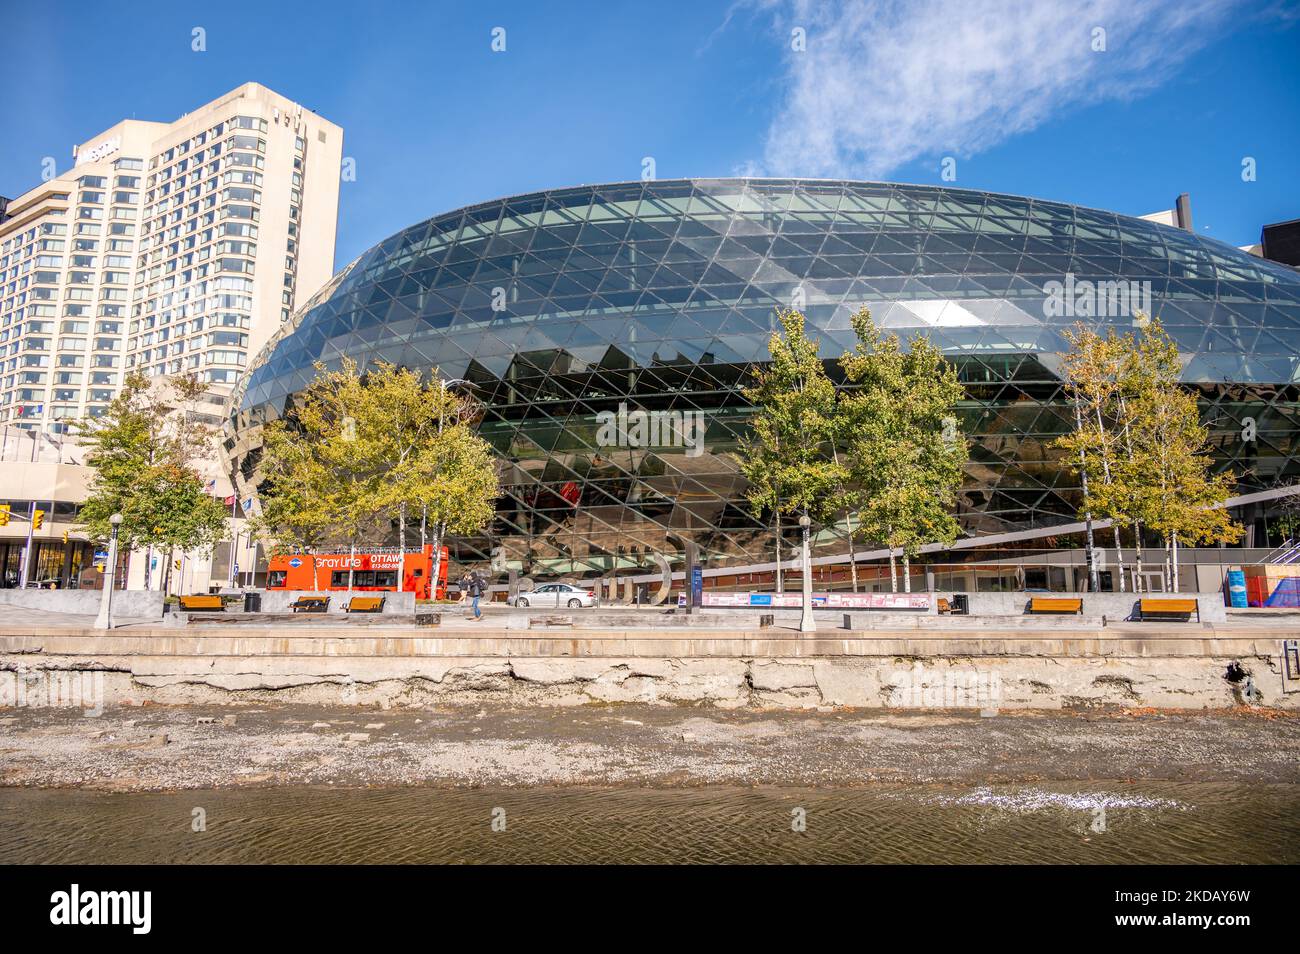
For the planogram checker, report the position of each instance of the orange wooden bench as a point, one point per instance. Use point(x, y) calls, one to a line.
point(203, 604)
point(365, 604)
point(310, 604)
point(1183, 609)
point(1055, 604)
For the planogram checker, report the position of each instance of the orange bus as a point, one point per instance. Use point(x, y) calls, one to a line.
point(371, 570)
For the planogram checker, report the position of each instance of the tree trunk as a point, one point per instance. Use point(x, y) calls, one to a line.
point(352, 559)
point(437, 560)
point(1094, 583)
point(424, 526)
point(1105, 466)
point(1139, 584)
point(315, 570)
point(1174, 561)
point(907, 573)
point(853, 556)
point(148, 570)
point(780, 587)
point(401, 547)
point(167, 573)
point(1119, 558)
point(893, 572)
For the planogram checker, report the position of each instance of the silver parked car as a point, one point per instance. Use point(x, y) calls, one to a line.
point(557, 594)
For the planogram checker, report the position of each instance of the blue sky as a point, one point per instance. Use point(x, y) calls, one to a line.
point(1018, 94)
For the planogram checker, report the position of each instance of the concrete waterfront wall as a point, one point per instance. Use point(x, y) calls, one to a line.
point(886, 682)
point(893, 622)
point(136, 604)
point(1114, 606)
point(1002, 607)
point(148, 604)
point(1163, 665)
point(277, 601)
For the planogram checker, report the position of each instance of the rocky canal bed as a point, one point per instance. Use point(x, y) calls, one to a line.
point(163, 748)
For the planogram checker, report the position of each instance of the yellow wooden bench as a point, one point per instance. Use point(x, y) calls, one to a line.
point(310, 604)
point(365, 604)
point(202, 604)
point(944, 606)
point(1169, 608)
point(1055, 604)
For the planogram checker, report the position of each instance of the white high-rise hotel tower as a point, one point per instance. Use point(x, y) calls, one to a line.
point(168, 248)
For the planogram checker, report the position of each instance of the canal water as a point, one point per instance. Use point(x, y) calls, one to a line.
point(1117, 822)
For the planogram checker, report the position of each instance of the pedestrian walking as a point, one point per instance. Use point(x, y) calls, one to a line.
point(476, 592)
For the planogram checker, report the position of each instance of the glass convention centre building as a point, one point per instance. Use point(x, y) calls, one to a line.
point(607, 332)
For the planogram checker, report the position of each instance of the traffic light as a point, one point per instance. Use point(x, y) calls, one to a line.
point(4, 515)
point(38, 519)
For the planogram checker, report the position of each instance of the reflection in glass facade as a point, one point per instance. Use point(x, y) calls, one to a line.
point(601, 326)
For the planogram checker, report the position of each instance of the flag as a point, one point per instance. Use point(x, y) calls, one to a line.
point(230, 501)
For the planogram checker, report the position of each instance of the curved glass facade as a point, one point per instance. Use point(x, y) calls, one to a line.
point(607, 331)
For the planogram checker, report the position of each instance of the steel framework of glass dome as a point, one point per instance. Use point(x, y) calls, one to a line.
point(563, 309)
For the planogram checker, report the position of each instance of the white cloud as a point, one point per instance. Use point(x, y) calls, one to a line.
point(884, 82)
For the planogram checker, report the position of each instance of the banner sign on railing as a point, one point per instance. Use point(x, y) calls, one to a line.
point(885, 601)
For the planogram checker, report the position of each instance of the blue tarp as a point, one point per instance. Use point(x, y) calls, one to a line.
point(1287, 594)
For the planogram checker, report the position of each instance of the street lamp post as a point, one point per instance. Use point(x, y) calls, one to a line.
point(806, 623)
point(105, 618)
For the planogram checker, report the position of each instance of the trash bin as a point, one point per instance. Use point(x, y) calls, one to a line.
point(252, 602)
point(960, 604)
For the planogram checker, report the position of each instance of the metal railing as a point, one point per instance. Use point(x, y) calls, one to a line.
point(1288, 552)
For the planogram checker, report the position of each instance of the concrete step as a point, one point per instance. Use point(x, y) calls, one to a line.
point(310, 620)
